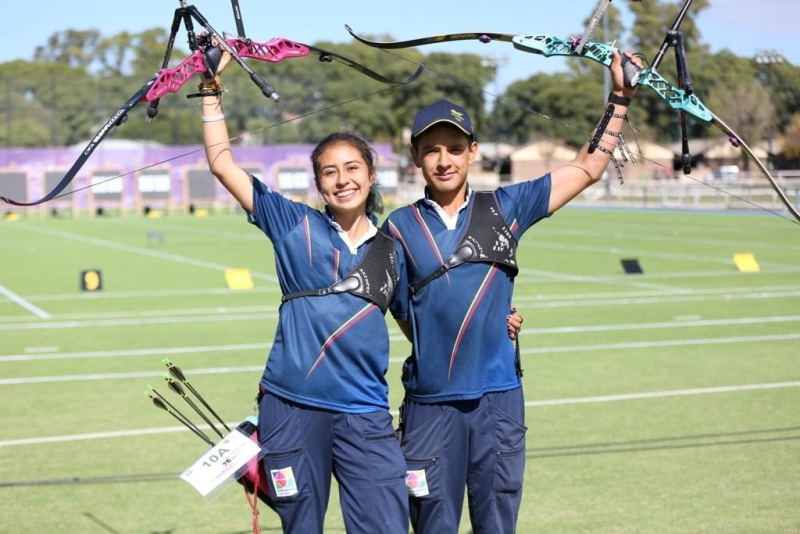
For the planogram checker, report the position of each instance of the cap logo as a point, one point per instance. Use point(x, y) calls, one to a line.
point(457, 115)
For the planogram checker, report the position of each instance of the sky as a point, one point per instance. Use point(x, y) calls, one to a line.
point(743, 27)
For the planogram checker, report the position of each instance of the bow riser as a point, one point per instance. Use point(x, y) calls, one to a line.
point(171, 80)
point(274, 51)
point(678, 99)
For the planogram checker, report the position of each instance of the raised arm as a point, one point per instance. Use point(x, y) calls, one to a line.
point(568, 181)
point(217, 141)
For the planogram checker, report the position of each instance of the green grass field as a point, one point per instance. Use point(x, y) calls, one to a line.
point(663, 402)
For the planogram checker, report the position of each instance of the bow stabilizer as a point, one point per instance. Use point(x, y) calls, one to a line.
point(587, 34)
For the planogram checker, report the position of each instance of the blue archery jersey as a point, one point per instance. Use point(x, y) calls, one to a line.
point(460, 346)
point(330, 352)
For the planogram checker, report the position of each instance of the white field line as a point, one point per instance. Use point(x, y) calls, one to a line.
point(663, 394)
point(97, 322)
point(394, 339)
point(636, 253)
point(571, 298)
point(535, 302)
point(10, 295)
point(657, 344)
point(661, 325)
point(168, 293)
point(149, 314)
point(532, 404)
point(128, 353)
point(678, 237)
point(115, 376)
point(627, 280)
point(534, 276)
point(141, 251)
point(201, 233)
point(723, 291)
point(229, 313)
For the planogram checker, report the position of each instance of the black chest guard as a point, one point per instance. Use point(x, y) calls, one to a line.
point(486, 239)
point(374, 278)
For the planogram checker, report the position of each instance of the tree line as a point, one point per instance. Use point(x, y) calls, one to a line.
point(78, 78)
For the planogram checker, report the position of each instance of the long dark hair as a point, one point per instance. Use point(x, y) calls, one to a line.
point(374, 199)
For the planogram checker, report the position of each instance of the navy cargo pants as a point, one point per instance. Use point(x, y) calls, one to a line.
point(306, 446)
point(478, 444)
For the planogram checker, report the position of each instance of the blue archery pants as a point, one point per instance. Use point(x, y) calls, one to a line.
point(478, 445)
point(308, 446)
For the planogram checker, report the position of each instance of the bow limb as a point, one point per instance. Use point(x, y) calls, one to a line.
point(484, 37)
point(719, 123)
point(116, 119)
point(326, 56)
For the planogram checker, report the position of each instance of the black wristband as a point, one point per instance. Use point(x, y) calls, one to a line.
point(619, 100)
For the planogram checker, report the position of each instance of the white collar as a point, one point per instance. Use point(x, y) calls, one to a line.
point(449, 222)
point(369, 234)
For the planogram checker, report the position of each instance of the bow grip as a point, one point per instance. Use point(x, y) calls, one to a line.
point(631, 73)
point(171, 80)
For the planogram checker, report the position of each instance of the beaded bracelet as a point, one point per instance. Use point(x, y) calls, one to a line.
point(213, 88)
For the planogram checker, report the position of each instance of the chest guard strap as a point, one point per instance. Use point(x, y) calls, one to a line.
point(486, 239)
point(373, 279)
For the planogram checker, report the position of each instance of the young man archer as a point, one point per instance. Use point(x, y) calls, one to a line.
point(464, 408)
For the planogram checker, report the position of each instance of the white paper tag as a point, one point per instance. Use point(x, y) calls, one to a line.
point(224, 459)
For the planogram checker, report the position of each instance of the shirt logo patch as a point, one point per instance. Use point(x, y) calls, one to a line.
point(417, 483)
point(283, 482)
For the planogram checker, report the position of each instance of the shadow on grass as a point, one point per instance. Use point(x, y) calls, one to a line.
point(742, 437)
point(99, 523)
point(108, 479)
point(111, 530)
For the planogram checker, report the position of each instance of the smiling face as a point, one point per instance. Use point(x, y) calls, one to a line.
point(444, 154)
point(344, 179)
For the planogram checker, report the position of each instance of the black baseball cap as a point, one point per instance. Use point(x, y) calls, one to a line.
point(442, 111)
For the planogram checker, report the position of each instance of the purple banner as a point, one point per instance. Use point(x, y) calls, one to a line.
point(127, 174)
